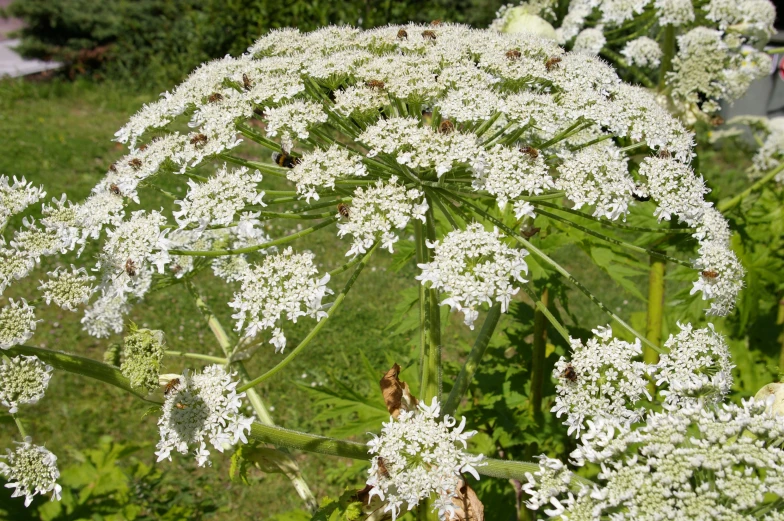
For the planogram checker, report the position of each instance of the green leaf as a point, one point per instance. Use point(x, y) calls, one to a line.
point(404, 252)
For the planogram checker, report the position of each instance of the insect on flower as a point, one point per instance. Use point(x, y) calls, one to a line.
point(199, 140)
point(530, 231)
point(113, 167)
point(171, 386)
point(552, 63)
point(514, 54)
point(531, 152)
point(343, 210)
point(215, 97)
point(435, 23)
point(130, 268)
point(135, 163)
point(429, 35)
point(176, 269)
point(710, 274)
point(664, 153)
point(402, 34)
point(142, 148)
point(569, 373)
point(446, 127)
point(113, 188)
point(180, 405)
point(375, 84)
point(382, 468)
point(246, 81)
point(284, 159)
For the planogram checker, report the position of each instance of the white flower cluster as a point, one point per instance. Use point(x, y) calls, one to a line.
point(601, 382)
point(697, 367)
point(717, 56)
point(23, 380)
point(17, 323)
point(30, 470)
point(377, 211)
point(283, 283)
point(201, 408)
point(16, 197)
point(474, 267)
point(320, 169)
point(643, 52)
point(220, 198)
point(419, 455)
point(771, 153)
point(294, 119)
point(67, 289)
point(711, 65)
point(694, 463)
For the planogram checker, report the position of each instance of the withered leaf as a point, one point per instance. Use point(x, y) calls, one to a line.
point(469, 508)
point(396, 393)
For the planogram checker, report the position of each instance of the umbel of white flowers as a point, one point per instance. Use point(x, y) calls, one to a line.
point(23, 380)
point(419, 455)
point(30, 470)
point(377, 117)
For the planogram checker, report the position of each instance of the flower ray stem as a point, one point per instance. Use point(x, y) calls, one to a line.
point(654, 319)
point(544, 310)
point(546, 258)
point(731, 203)
point(421, 258)
point(19, 425)
point(257, 247)
point(313, 332)
point(614, 224)
point(198, 356)
point(618, 242)
point(467, 372)
point(258, 138)
point(620, 63)
point(277, 436)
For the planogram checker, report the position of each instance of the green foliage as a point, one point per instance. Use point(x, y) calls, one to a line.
point(108, 483)
point(157, 42)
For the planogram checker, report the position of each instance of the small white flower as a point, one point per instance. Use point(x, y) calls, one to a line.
point(285, 283)
point(30, 470)
point(320, 169)
point(16, 197)
point(601, 382)
point(23, 380)
point(203, 407)
point(474, 267)
point(590, 41)
point(67, 289)
point(423, 456)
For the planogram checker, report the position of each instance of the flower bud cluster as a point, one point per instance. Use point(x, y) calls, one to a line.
point(142, 357)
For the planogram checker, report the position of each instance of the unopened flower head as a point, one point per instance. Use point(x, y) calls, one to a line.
point(601, 382)
point(67, 289)
point(698, 462)
point(696, 368)
point(30, 470)
point(142, 357)
point(17, 323)
point(418, 456)
point(283, 284)
point(474, 267)
point(202, 408)
point(23, 380)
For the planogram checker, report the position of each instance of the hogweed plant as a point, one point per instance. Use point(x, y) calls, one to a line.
point(461, 139)
point(695, 54)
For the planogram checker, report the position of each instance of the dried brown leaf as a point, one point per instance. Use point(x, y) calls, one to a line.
point(469, 508)
point(397, 395)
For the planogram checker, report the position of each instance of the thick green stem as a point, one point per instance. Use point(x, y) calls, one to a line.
point(431, 374)
point(668, 50)
point(80, 365)
point(538, 355)
point(321, 323)
point(731, 203)
point(466, 375)
point(653, 329)
point(257, 247)
point(421, 258)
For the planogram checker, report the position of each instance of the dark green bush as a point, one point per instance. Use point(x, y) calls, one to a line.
point(157, 42)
